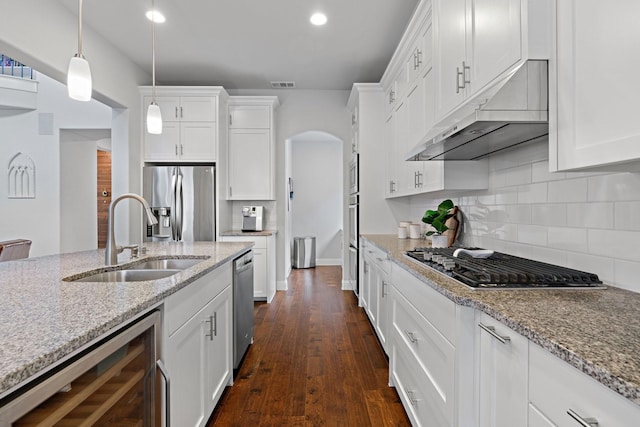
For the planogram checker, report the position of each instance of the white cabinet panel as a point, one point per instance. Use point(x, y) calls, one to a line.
point(597, 93)
point(556, 388)
point(264, 264)
point(198, 141)
point(250, 164)
point(249, 117)
point(502, 374)
point(219, 348)
point(165, 146)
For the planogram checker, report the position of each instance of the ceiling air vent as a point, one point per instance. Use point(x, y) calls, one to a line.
point(283, 85)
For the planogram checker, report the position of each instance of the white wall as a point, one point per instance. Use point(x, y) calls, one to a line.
point(39, 219)
point(301, 111)
point(316, 208)
point(587, 221)
point(46, 40)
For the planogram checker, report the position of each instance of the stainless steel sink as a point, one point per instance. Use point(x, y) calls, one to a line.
point(166, 264)
point(129, 275)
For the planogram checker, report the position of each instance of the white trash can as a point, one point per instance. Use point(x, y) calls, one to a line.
point(304, 252)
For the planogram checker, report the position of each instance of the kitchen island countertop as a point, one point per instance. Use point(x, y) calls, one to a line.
point(596, 331)
point(43, 319)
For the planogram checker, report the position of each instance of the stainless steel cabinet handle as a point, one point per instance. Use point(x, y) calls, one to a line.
point(411, 336)
point(419, 55)
point(181, 150)
point(420, 183)
point(392, 97)
point(167, 389)
point(415, 61)
point(230, 120)
point(412, 397)
point(230, 192)
point(210, 321)
point(215, 324)
point(181, 113)
point(465, 80)
point(382, 293)
point(176, 112)
point(492, 331)
point(176, 149)
point(458, 75)
point(381, 259)
point(365, 268)
point(584, 422)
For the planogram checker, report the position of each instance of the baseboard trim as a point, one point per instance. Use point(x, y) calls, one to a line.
point(329, 261)
point(281, 285)
point(347, 285)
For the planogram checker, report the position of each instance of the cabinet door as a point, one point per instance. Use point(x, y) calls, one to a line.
point(197, 109)
point(374, 293)
point(597, 92)
point(250, 164)
point(365, 281)
point(450, 34)
point(249, 117)
point(382, 325)
point(391, 183)
point(219, 350)
point(198, 141)
point(260, 273)
point(186, 361)
point(169, 107)
point(165, 146)
point(503, 373)
point(496, 40)
point(400, 147)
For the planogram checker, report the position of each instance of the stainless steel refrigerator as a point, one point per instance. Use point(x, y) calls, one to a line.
point(183, 200)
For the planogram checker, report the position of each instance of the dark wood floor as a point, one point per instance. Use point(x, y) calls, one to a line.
point(315, 361)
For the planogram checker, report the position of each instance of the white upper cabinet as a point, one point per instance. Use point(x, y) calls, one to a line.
point(596, 93)
point(251, 148)
point(191, 123)
point(478, 41)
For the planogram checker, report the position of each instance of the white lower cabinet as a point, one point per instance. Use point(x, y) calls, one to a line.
point(375, 291)
point(421, 365)
point(264, 264)
point(560, 395)
point(502, 361)
point(198, 346)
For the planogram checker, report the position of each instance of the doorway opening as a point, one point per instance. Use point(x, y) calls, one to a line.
point(315, 195)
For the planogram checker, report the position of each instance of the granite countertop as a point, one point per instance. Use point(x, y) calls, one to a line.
point(43, 318)
point(596, 331)
point(249, 233)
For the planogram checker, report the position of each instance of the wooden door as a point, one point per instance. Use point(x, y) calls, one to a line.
point(103, 194)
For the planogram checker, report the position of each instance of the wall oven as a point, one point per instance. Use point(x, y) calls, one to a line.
point(353, 175)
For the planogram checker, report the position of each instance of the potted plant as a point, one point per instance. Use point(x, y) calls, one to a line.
point(437, 219)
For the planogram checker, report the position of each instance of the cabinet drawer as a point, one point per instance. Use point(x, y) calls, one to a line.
point(181, 306)
point(555, 388)
point(378, 257)
point(260, 242)
point(425, 403)
point(434, 354)
point(438, 309)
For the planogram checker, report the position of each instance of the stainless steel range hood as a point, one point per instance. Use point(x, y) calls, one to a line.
point(514, 111)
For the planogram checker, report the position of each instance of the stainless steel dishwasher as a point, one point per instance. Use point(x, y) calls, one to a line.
point(242, 306)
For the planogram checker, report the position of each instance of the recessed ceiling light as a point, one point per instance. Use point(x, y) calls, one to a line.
point(155, 16)
point(318, 19)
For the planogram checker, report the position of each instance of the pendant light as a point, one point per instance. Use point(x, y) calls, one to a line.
point(79, 73)
point(154, 116)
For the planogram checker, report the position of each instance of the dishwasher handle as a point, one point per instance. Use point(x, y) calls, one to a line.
point(244, 263)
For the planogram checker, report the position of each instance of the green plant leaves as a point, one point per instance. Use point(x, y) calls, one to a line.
point(438, 218)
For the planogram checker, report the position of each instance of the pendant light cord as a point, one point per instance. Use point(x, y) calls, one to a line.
point(153, 51)
point(80, 28)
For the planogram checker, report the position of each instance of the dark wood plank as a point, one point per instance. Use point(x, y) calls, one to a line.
point(315, 361)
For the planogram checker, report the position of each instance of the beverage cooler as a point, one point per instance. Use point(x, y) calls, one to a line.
point(113, 383)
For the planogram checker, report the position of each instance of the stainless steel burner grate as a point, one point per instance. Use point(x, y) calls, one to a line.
point(503, 271)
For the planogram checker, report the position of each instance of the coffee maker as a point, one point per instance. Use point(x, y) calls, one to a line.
point(252, 218)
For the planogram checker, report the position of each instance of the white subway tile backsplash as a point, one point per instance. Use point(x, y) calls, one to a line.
point(540, 173)
point(548, 214)
point(532, 235)
point(615, 187)
point(585, 220)
point(627, 275)
point(520, 214)
point(571, 239)
point(532, 193)
point(590, 215)
point(615, 244)
point(567, 191)
point(627, 216)
point(517, 176)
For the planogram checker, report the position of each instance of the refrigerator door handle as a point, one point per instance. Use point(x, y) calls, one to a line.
point(174, 178)
point(179, 208)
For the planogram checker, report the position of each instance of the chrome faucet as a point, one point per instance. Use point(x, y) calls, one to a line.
point(112, 251)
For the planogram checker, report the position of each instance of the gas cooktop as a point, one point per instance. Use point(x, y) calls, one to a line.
point(502, 271)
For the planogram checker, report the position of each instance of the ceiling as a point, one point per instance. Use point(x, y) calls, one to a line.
point(246, 44)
